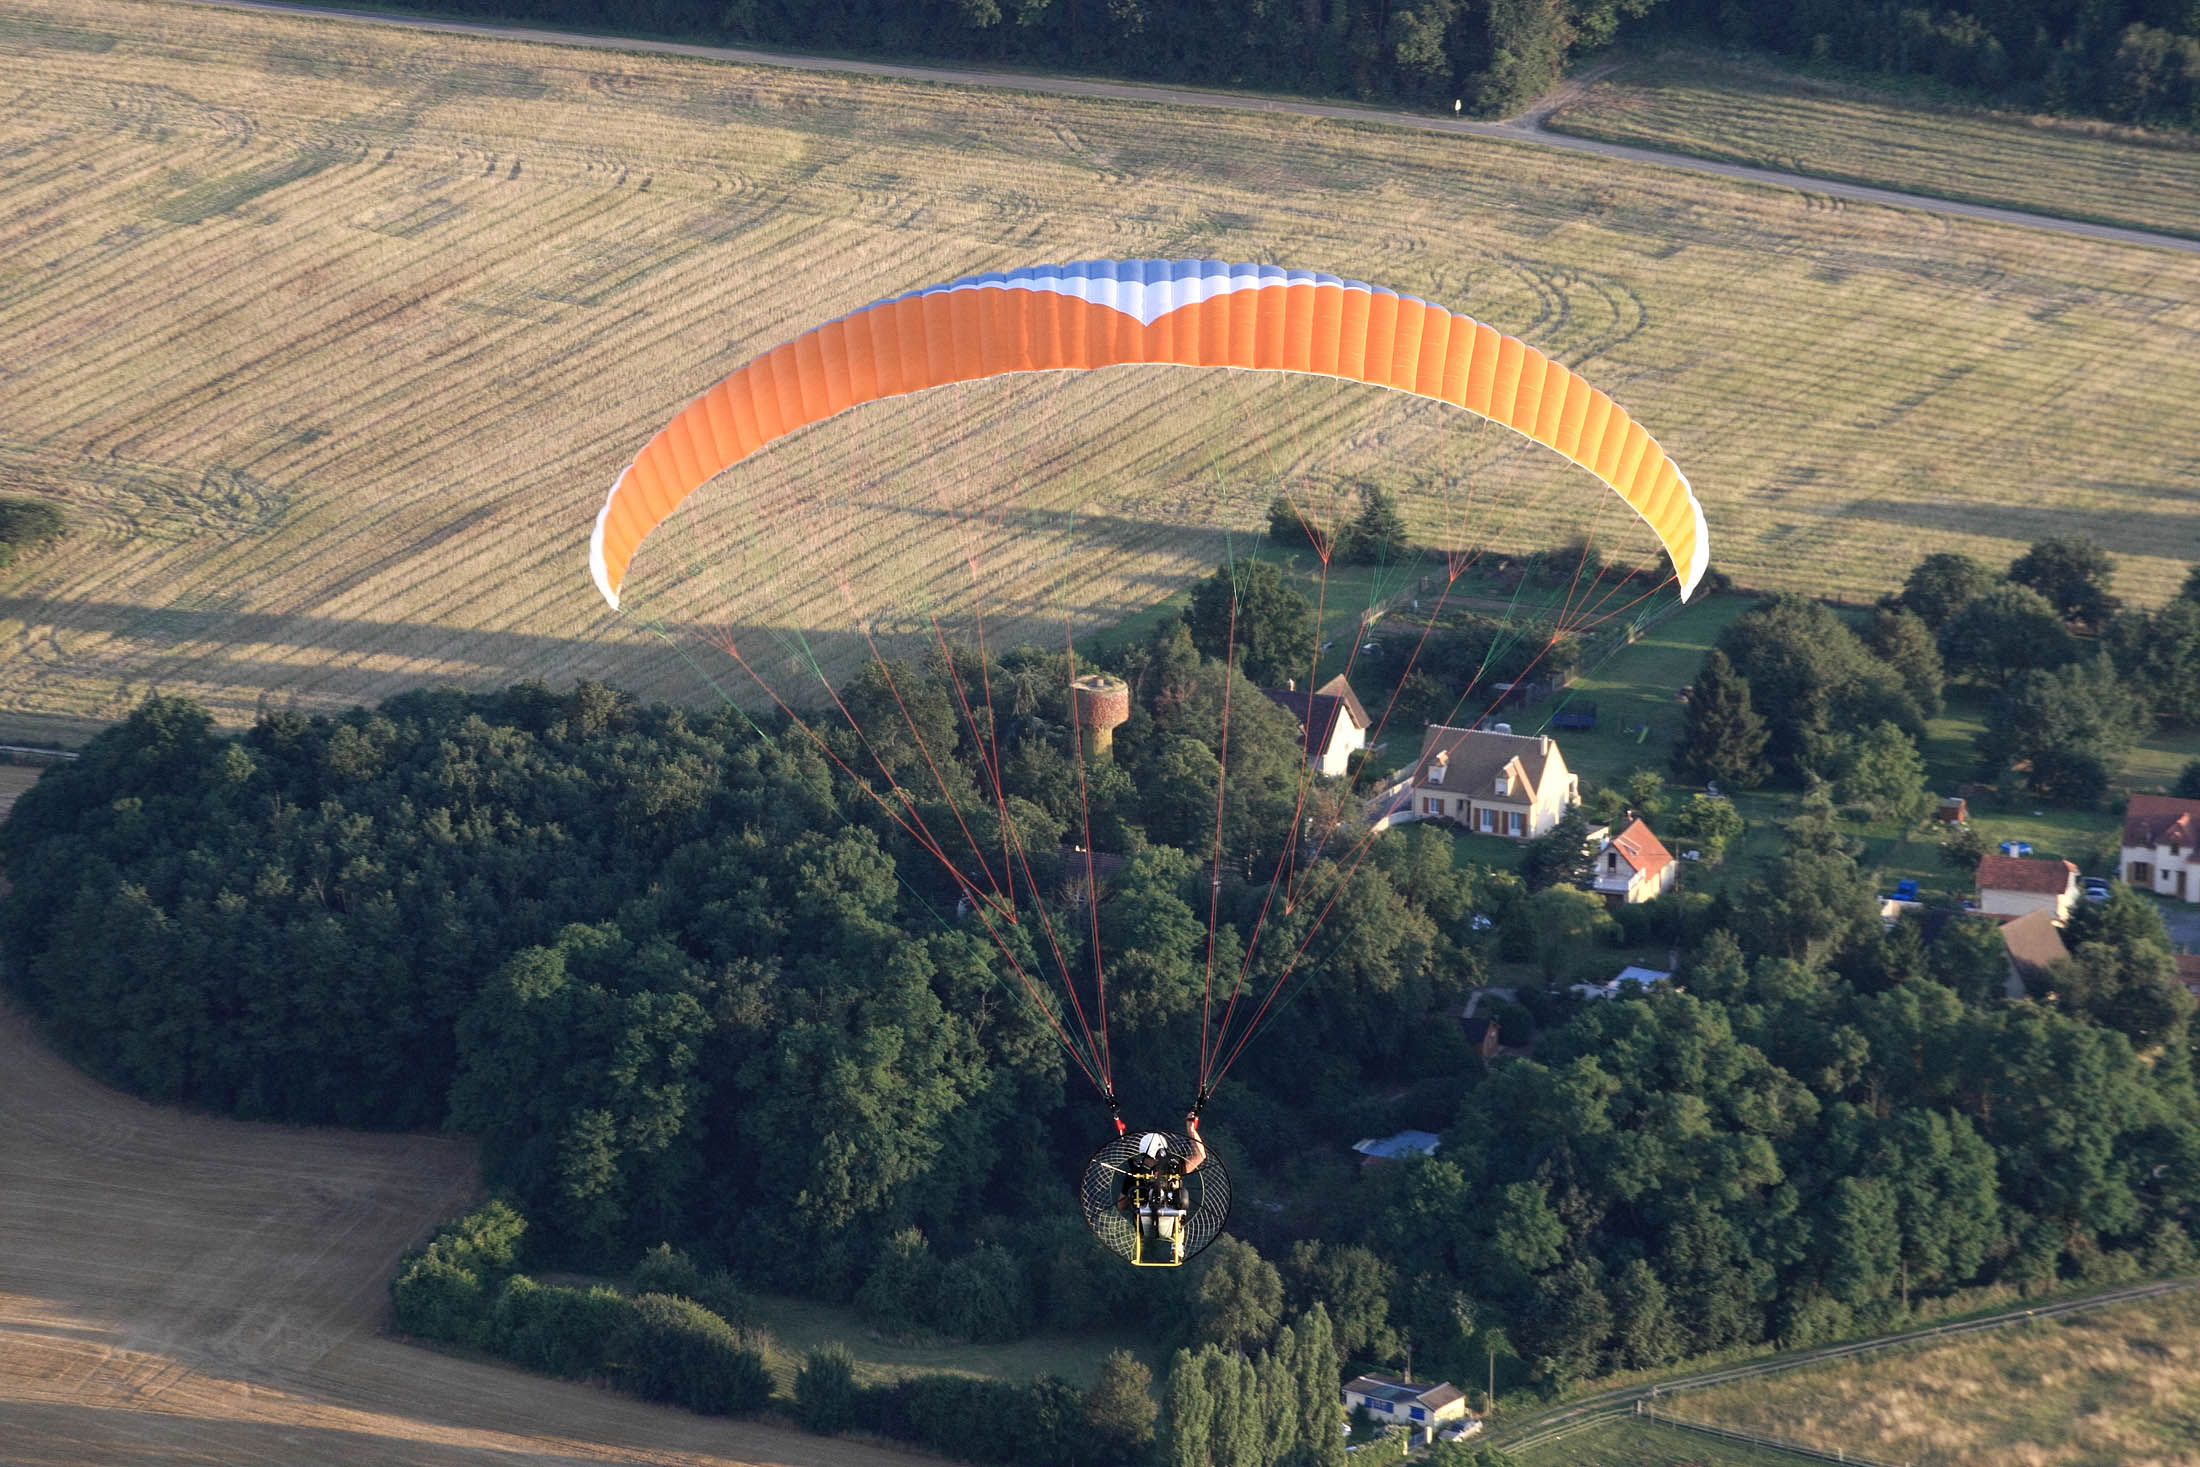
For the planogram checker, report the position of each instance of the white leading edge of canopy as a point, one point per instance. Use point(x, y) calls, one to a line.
point(597, 570)
point(1145, 301)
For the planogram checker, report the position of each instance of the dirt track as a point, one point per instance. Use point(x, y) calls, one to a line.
point(1526, 128)
point(178, 1288)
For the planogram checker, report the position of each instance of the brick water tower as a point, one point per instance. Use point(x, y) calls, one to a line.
point(1099, 705)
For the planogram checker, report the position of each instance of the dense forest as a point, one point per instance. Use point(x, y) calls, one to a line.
point(2134, 60)
point(692, 984)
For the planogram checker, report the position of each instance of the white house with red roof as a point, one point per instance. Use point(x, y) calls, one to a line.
point(1331, 722)
point(2010, 886)
point(1634, 866)
point(2162, 846)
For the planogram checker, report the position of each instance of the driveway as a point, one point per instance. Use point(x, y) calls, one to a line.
point(2183, 922)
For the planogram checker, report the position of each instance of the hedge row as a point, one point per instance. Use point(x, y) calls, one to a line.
point(465, 1288)
point(989, 1421)
point(663, 1344)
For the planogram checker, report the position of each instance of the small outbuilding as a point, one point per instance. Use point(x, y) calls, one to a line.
point(1645, 978)
point(2010, 886)
point(1405, 1143)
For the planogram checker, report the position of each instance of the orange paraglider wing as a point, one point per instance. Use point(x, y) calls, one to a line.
point(1107, 313)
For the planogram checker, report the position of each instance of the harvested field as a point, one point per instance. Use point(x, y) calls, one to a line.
point(178, 1288)
point(331, 337)
point(14, 779)
point(2115, 1385)
point(1712, 106)
point(1632, 1442)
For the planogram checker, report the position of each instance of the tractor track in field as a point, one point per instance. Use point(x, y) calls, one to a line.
point(1563, 1421)
point(179, 1287)
point(1525, 129)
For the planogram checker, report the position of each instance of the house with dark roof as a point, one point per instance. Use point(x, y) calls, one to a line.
point(2010, 886)
point(2161, 849)
point(1393, 1401)
point(1493, 783)
point(2035, 946)
point(1633, 866)
point(1331, 722)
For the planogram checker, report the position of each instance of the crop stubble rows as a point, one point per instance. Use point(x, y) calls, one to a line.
point(332, 337)
point(2113, 1386)
point(1718, 107)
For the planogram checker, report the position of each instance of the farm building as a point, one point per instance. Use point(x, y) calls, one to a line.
point(1633, 866)
point(1331, 722)
point(2010, 886)
point(1493, 783)
point(2161, 845)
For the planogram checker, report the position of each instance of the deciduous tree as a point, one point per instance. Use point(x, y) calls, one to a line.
point(2074, 573)
point(2002, 632)
point(1942, 584)
point(1239, 1300)
point(1250, 606)
point(1120, 1407)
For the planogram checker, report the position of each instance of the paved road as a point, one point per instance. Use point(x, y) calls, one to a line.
point(1526, 130)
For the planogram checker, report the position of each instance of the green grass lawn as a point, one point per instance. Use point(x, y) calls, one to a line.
point(1494, 851)
point(1630, 1442)
point(1637, 686)
point(1712, 105)
point(798, 1325)
point(1347, 595)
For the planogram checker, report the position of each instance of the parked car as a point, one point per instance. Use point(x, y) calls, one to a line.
point(2096, 889)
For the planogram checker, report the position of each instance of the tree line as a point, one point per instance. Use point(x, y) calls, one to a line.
point(683, 1336)
point(2135, 60)
point(1794, 693)
point(690, 984)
